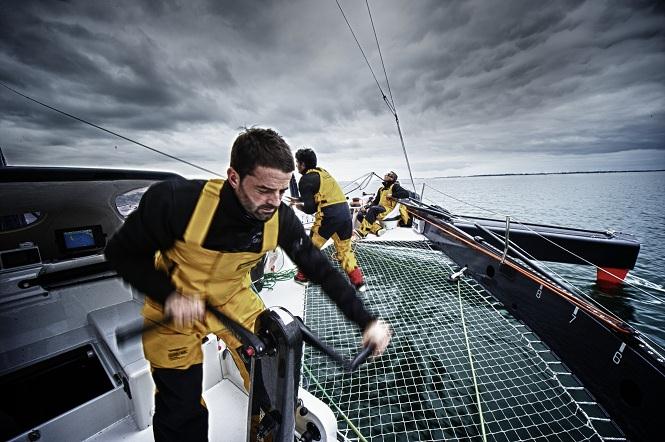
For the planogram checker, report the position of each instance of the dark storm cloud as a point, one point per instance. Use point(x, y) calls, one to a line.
point(106, 74)
point(471, 79)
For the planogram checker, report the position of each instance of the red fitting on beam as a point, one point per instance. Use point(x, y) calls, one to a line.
point(614, 278)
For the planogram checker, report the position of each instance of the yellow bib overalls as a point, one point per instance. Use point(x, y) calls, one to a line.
point(330, 193)
point(388, 204)
point(222, 279)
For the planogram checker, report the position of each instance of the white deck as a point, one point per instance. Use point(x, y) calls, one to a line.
point(227, 406)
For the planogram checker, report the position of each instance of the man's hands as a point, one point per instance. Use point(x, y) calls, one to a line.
point(184, 310)
point(295, 202)
point(378, 334)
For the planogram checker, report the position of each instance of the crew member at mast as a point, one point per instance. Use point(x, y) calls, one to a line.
point(384, 202)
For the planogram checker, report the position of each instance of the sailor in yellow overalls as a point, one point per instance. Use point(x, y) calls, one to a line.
point(384, 202)
point(321, 194)
point(221, 279)
point(193, 241)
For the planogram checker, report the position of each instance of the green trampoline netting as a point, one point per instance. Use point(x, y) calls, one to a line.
point(423, 387)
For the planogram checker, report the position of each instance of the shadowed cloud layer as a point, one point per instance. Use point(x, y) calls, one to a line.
point(480, 87)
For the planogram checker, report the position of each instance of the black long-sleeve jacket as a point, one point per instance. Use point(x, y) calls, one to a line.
point(163, 215)
point(309, 185)
point(397, 192)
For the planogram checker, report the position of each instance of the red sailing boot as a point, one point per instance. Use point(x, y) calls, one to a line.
point(357, 279)
point(300, 278)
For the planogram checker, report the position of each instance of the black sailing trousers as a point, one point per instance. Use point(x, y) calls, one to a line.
point(180, 413)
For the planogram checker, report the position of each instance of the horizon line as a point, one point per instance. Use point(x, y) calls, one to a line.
point(542, 173)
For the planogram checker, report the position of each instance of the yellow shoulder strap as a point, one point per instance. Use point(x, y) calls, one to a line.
point(199, 223)
point(270, 231)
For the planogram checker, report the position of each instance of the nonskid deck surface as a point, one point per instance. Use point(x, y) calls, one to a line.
point(227, 408)
point(422, 388)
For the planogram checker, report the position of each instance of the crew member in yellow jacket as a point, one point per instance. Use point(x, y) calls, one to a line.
point(384, 202)
point(320, 194)
point(192, 242)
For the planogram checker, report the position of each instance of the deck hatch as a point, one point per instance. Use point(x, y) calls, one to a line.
point(37, 393)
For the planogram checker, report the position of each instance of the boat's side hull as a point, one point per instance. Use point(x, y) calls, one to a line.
point(614, 364)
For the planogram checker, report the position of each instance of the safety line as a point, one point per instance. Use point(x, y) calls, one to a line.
point(344, 416)
point(473, 370)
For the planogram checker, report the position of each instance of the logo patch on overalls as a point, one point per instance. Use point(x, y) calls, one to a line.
point(177, 353)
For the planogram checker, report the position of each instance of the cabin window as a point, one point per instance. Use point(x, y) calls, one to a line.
point(19, 220)
point(127, 202)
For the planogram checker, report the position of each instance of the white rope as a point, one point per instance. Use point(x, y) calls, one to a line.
point(473, 371)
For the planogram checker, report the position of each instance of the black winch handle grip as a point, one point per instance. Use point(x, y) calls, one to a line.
point(247, 338)
point(361, 357)
point(309, 337)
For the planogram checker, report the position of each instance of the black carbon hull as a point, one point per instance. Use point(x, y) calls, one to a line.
point(624, 371)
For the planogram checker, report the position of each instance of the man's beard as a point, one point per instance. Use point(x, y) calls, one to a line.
point(262, 213)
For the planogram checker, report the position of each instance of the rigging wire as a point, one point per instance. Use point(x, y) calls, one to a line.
point(360, 183)
point(390, 103)
point(399, 128)
point(385, 99)
point(173, 157)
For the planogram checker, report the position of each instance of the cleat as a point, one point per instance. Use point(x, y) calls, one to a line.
point(300, 278)
point(380, 232)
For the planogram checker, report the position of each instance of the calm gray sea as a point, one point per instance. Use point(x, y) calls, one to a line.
point(629, 202)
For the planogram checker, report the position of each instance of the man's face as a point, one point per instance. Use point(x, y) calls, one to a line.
point(301, 167)
point(388, 178)
point(260, 192)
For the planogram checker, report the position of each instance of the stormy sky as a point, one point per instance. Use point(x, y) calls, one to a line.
point(479, 86)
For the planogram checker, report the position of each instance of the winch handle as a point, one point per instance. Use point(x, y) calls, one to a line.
point(309, 337)
point(361, 357)
point(253, 344)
